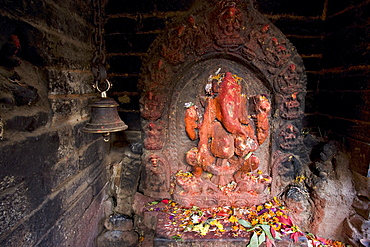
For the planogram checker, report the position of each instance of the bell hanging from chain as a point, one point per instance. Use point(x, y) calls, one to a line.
point(104, 115)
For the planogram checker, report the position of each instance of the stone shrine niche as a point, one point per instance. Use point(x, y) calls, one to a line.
point(222, 104)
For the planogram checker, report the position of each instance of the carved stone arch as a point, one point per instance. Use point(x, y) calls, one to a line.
point(233, 36)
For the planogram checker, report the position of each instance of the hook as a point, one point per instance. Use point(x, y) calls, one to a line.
point(106, 137)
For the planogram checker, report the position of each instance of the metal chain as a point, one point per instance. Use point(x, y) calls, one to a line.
point(1, 129)
point(99, 59)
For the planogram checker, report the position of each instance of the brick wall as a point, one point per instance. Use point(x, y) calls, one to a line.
point(53, 176)
point(131, 28)
point(343, 91)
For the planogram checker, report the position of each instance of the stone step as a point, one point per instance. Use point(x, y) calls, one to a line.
point(237, 242)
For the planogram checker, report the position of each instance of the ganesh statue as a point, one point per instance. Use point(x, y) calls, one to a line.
point(227, 128)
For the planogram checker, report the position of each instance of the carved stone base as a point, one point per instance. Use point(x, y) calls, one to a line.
point(235, 199)
point(162, 242)
point(165, 239)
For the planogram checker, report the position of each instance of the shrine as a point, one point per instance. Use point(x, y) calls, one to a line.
point(222, 109)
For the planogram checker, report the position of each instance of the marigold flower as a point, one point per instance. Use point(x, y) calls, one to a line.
point(254, 222)
point(233, 219)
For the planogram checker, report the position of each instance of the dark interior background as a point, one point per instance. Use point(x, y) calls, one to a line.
point(331, 36)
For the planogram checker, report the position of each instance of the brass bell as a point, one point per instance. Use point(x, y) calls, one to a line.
point(104, 116)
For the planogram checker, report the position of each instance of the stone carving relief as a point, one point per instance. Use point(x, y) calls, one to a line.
point(290, 107)
point(285, 170)
point(173, 50)
point(158, 73)
point(231, 30)
point(223, 162)
point(156, 175)
point(276, 53)
point(152, 105)
point(228, 25)
point(154, 133)
point(289, 137)
point(290, 80)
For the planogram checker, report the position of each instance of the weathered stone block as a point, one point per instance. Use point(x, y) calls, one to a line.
point(85, 232)
point(59, 52)
point(83, 138)
point(118, 239)
point(61, 171)
point(69, 82)
point(90, 181)
point(361, 181)
point(83, 211)
point(150, 220)
point(356, 228)
point(50, 14)
point(362, 207)
point(130, 177)
point(33, 227)
point(59, 233)
point(118, 223)
point(14, 205)
point(24, 95)
point(28, 159)
point(66, 142)
point(130, 174)
point(67, 109)
point(27, 123)
point(139, 202)
point(93, 154)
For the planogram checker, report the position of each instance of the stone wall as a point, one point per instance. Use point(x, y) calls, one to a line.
point(53, 177)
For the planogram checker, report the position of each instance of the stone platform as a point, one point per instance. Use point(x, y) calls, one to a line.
point(164, 237)
point(235, 242)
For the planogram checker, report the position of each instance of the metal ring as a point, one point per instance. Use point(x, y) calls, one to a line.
point(109, 85)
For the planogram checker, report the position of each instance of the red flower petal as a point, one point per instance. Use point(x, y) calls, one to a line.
point(285, 221)
point(165, 201)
